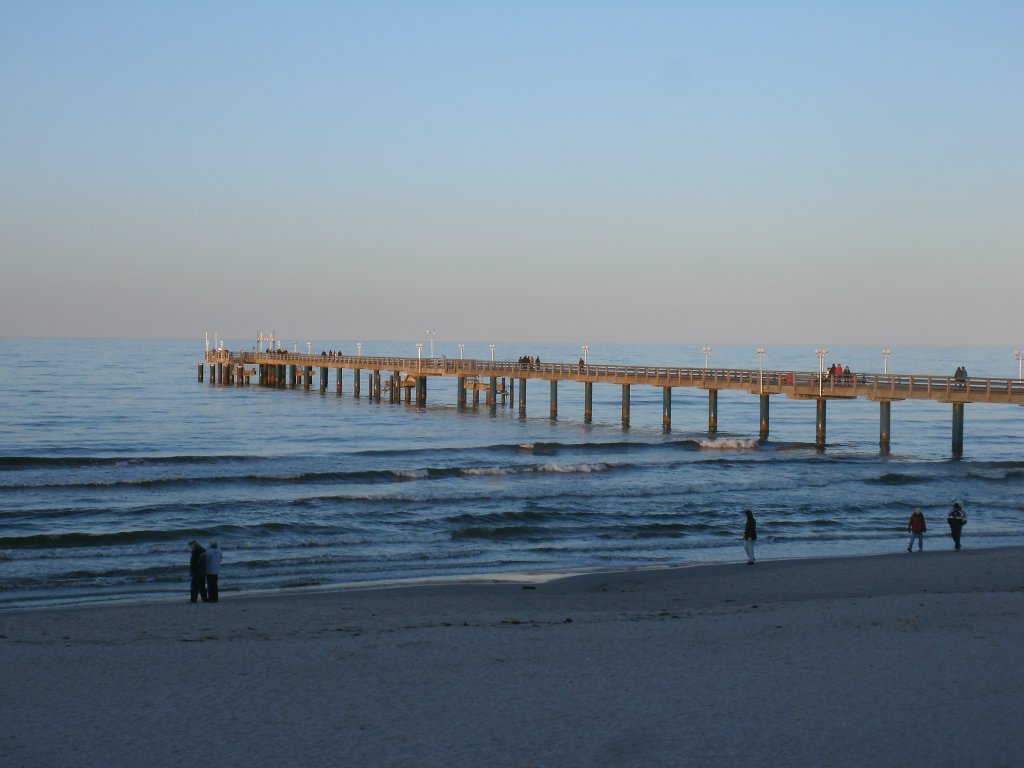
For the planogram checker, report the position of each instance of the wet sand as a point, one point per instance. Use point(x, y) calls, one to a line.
point(897, 660)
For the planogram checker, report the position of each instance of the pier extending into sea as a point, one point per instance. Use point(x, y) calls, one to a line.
point(396, 378)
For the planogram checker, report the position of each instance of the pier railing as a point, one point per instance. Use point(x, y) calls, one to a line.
point(794, 384)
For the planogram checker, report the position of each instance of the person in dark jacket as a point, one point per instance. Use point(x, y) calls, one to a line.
point(956, 519)
point(749, 536)
point(197, 570)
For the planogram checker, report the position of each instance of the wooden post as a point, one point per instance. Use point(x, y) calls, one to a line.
point(819, 425)
point(355, 382)
point(554, 399)
point(588, 401)
point(200, 373)
point(522, 395)
point(958, 429)
point(884, 409)
point(712, 410)
point(764, 417)
point(625, 405)
point(666, 407)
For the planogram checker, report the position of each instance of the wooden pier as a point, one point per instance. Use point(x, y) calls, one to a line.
point(409, 376)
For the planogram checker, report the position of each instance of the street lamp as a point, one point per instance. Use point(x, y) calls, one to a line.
point(309, 348)
point(821, 353)
point(707, 354)
point(760, 368)
point(1020, 358)
point(492, 352)
point(462, 351)
point(885, 360)
point(359, 349)
point(419, 355)
point(586, 349)
point(207, 341)
point(432, 333)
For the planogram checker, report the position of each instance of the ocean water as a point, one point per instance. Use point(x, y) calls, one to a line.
point(113, 457)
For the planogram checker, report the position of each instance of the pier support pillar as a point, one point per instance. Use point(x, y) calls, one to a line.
point(476, 395)
point(200, 373)
point(308, 378)
point(376, 385)
point(819, 424)
point(356, 376)
point(884, 409)
point(625, 405)
point(293, 374)
point(280, 375)
point(492, 392)
point(588, 401)
point(712, 410)
point(220, 373)
point(554, 399)
point(522, 396)
point(323, 379)
point(666, 407)
point(460, 390)
point(213, 373)
point(958, 429)
point(764, 417)
point(511, 391)
point(337, 384)
point(421, 391)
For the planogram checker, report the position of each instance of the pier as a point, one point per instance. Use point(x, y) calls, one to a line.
point(403, 377)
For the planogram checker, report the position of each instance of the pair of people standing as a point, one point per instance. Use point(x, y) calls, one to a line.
point(916, 526)
point(204, 570)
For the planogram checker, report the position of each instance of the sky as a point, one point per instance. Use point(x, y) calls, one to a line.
point(658, 172)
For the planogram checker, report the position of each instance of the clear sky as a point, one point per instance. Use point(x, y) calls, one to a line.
point(733, 172)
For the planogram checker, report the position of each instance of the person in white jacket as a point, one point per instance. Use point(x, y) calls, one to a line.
point(213, 556)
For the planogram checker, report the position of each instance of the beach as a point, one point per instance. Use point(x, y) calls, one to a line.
point(901, 660)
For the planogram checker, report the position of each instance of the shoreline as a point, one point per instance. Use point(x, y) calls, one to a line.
point(894, 659)
point(498, 578)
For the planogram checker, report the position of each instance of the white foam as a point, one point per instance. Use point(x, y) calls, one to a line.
point(729, 443)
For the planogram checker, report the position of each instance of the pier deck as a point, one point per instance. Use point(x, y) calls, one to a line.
point(281, 369)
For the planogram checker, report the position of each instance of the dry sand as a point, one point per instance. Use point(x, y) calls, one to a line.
point(902, 660)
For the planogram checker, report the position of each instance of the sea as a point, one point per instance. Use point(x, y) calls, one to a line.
point(113, 456)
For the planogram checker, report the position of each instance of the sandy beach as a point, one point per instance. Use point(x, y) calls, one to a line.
point(896, 660)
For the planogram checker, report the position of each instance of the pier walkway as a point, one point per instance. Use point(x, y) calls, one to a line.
point(500, 378)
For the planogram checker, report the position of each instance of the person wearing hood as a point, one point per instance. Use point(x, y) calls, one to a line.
point(197, 570)
point(957, 520)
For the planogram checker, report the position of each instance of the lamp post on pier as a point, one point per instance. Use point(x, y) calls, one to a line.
point(462, 351)
point(419, 356)
point(821, 353)
point(359, 349)
point(885, 361)
point(1020, 359)
point(492, 352)
point(586, 349)
point(432, 333)
point(760, 368)
point(309, 347)
point(707, 354)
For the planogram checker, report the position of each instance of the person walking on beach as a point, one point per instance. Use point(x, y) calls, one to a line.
point(916, 527)
point(213, 556)
point(957, 520)
point(197, 570)
point(749, 536)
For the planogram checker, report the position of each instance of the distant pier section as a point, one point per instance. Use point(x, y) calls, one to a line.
point(398, 378)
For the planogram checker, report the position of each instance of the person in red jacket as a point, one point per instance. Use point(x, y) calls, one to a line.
point(916, 527)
